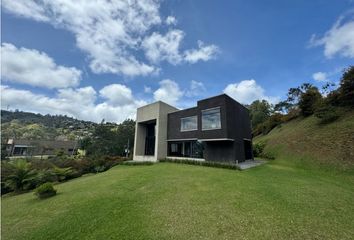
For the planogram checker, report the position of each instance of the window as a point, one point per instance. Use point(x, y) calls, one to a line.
point(189, 123)
point(211, 119)
point(192, 149)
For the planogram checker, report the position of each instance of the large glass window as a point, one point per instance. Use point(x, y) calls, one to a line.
point(211, 119)
point(193, 149)
point(189, 123)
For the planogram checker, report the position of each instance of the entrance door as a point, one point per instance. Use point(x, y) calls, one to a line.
point(150, 139)
point(248, 149)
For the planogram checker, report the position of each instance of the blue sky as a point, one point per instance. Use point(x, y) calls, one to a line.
point(103, 60)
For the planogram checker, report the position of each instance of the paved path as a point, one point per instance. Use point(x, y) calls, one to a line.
point(250, 164)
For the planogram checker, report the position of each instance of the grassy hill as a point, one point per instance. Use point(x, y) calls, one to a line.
point(173, 201)
point(306, 143)
point(305, 193)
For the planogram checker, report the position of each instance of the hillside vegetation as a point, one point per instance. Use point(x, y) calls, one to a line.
point(26, 125)
point(304, 141)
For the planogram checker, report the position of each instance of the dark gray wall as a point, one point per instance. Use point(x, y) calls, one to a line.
point(235, 125)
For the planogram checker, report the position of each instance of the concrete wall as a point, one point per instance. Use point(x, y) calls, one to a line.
point(153, 112)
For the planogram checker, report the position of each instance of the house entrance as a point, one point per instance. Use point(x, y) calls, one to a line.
point(248, 149)
point(150, 139)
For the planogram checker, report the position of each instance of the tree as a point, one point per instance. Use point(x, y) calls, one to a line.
point(259, 112)
point(308, 101)
point(21, 175)
point(126, 131)
point(346, 89)
point(110, 139)
point(293, 98)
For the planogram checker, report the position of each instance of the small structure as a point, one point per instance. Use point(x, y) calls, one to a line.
point(24, 147)
point(217, 129)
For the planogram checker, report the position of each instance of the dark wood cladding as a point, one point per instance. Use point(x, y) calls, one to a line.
point(235, 126)
point(174, 124)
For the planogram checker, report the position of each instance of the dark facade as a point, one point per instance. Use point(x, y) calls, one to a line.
point(217, 129)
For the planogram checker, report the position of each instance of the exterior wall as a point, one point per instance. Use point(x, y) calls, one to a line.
point(162, 126)
point(220, 151)
point(139, 144)
point(153, 112)
point(174, 124)
point(235, 127)
point(225, 144)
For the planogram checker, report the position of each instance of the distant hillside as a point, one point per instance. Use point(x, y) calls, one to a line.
point(57, 121)
point(304, 141)
point(28, 125)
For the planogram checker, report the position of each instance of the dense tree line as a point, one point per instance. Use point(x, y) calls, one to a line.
point(53, 121)
point(305, 100)
point(110, 139)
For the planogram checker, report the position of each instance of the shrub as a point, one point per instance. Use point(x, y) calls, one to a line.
point(45, 190)
point(45, 175)
point(99, 169)
point(202, 163)
point(292, 114)
point(21, 176)
point(267, 155)
point(135, 163)
point(63, 173)
point(272, 122)
point(258, 149)
point(327, 114)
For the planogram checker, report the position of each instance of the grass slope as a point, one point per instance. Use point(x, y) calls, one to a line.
point(176, 201)
point(306, 143)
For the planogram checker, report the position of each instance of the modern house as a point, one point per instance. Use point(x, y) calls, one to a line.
point(217, 129)
point(25, 147)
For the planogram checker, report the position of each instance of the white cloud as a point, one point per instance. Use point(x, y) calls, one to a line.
point(248, 91)
point(27, 9)
point(168, 92)
point(29, 66)
point(171, 20)
point(80, 103)
point(203, 53)
point(320, 76)
point(111, 33)
point(158, 48)
point(338, 40)
point(117, 94)
point(196, 89)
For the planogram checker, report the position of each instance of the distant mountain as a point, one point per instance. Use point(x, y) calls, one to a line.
point(26, 125)
point(46, 120)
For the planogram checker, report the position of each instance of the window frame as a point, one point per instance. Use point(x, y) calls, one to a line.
point(208, 109)
point(188, 130)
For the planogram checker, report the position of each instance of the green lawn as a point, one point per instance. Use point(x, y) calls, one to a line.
point(173, 201)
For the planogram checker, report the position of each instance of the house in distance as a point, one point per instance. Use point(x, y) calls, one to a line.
point(26, 147)
point(217, 129)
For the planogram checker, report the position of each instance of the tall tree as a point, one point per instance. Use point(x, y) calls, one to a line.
point(260, 111)
point(308, 101)
point(110, 139)
point(346, 89)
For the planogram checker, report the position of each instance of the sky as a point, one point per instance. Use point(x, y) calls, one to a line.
point(102, 59)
